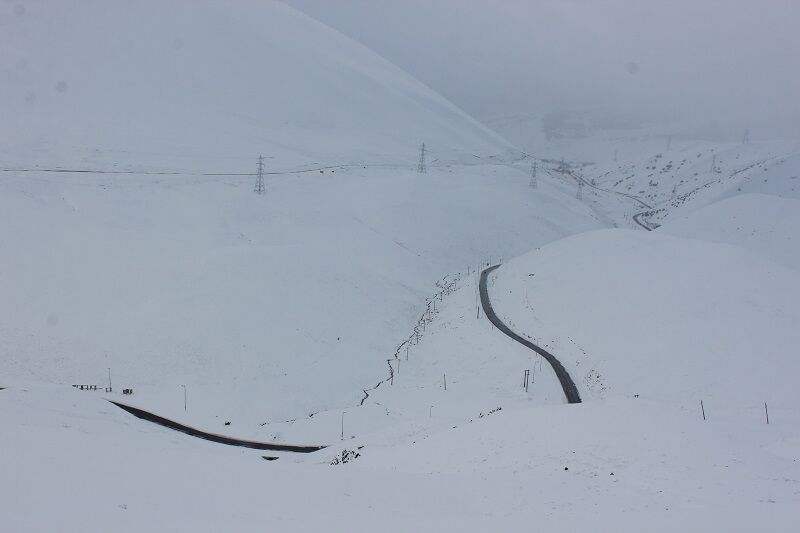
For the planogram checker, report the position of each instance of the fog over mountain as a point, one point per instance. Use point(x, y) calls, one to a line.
point(721, 65)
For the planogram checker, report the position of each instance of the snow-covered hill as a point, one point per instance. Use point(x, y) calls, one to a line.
point(266, 308)
point(694, 174)
point(207, 85)
point(761, 223)
point(295, 317)
point(672, 319)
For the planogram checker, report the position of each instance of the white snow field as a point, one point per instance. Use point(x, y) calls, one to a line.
point(280, 318)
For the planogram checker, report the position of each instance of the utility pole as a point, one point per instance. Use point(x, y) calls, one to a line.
point(184, 398)
point(533, 184)
point(422, 168)
point(260, 188)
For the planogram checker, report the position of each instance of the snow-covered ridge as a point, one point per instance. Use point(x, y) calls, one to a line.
point(207, 85)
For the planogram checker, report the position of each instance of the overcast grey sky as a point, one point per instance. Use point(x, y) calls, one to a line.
point(728, 61)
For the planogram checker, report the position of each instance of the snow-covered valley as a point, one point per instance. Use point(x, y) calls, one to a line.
point(342, 308)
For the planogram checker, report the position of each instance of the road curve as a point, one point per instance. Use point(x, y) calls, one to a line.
point(570, 390)
point(637, 216)
point(642, 224)
point(213, 437)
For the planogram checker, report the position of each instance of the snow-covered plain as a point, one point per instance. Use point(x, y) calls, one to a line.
point(276, 312)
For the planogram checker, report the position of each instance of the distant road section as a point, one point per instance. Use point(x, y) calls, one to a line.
point(213, 437)
point(642, 224)
point(570, 390)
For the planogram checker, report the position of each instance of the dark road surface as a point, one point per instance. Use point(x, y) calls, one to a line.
point(213, 437)
point(570, 390)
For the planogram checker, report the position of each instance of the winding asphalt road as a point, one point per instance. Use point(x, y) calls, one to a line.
point(570, 390)
point(637, 216)
point(642, 224)
point(213, 437)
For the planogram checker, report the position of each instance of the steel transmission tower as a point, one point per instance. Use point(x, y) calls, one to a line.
point(533, 184)
point(422, 168)
point(579, 194)
point(260, 188)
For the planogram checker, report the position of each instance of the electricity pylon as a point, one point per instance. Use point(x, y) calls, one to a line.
point(422, 168)
point(579, 194)
point(260, 188)
point(533, 184)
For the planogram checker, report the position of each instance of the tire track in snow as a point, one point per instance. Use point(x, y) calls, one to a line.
point(570, 390)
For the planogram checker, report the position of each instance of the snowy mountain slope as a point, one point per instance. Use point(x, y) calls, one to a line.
point(267, 308)
point(665, 166)
point(695, 174)
point(669, 319)
point(207, 85)
point(271, 317)
point(764, 224)
point(649, 325)
point(631, 464)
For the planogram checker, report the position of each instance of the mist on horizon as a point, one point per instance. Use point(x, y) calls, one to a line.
point(709, 67)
